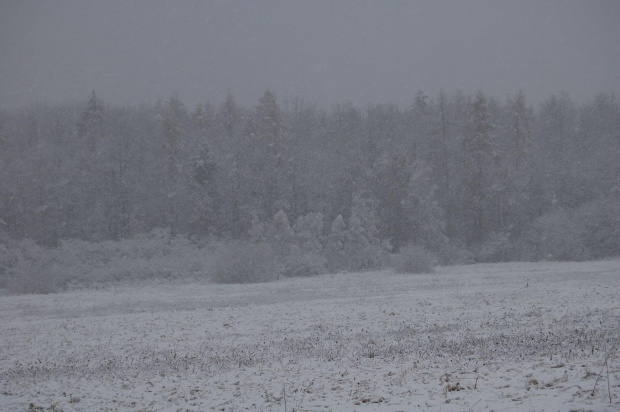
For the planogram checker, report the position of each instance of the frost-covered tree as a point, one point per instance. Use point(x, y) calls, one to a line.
point(485, 172)
point(420, 126)
point(267, 125)
point(90, 126)
point(268, 163)
point(335, 245)
point(308, 231)
point(446, 160)
point(392, 191)
point(363, 247)
point(556, 133)
point(173, 126)
point(173, 132)
point(520, 116)
point(478, 158)
point(595, 169)
point(424, 216)
point(282, 235)
point(204, 194)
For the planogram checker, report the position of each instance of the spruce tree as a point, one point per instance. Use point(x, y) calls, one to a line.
point(335, 246)
point(478, 158)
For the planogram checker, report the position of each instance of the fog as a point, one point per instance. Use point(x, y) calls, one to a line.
point(325, 52)
point(424, 134)
point(317, 205)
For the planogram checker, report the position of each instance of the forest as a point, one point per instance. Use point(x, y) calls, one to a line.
point(453, 178)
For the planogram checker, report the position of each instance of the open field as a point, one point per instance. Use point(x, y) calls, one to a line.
point(518, 336)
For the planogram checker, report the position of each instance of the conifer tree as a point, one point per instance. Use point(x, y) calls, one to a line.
point(424, 217)
point(478, 158)
point(171, 124)
point(90, 126)
point(363, 248)
point(520, 116)
point(309, 232)
point(335, 246)
point(393, 177)
point(282, 235)
point(269, 163)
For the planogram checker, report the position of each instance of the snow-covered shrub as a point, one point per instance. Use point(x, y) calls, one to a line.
point(148, 258)
point(556, 236)
point(245, 262)
point(257, 231)
point(363, 247)
point(78, 263)
point(496, 248)
point(8, 259)
point(414, 259)
point(600, 221)
point(358, 246)
point(308, 231)
point(298, 263)
point(36, 270)
point(281, 235)
point(591, 231)
point(425, 217)
point(449, 255)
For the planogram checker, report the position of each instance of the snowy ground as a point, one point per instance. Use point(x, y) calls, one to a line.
point(524, 337)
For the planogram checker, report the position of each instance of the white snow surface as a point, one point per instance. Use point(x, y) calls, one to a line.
point(518, 336)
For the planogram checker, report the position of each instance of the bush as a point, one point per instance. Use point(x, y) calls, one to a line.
point(246, 263)
point(591, 231)
point(8, 260)
point(26, 267)
point(299, 264)
point(556, 236)
point(495, 249)
point(601, 227)
point(449, 255)
point(414, 259)
point(36, 270)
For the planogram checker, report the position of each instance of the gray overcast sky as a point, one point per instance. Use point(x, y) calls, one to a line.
point(324, 51)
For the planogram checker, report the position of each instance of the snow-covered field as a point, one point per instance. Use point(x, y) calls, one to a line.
point(519, 336)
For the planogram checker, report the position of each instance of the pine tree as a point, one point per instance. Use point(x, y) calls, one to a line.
point(92, 185)
point(363, 248)
point(393, 177)
point(309, 232)
point(335, 246)
point(282, 235)
point(445, 164)
point(228, 120)
point(424, 218)
point(173, 131)
point(478, 160)
point(203, 117)
point(90, 126)
point(269, 165)
point(418, 115)
point(268, 127)
point(173, 122)
point(358, 245)
point(520, 116)
point(204, 192)
point(556, 124)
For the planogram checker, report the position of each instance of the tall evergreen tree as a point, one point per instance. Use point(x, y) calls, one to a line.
point(556, 133)
point(335, 246)
point(520, 115)
point(90, 126)
point(269, 161)
point(478, 158)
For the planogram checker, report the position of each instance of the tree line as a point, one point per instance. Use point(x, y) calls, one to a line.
point(469, 177)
